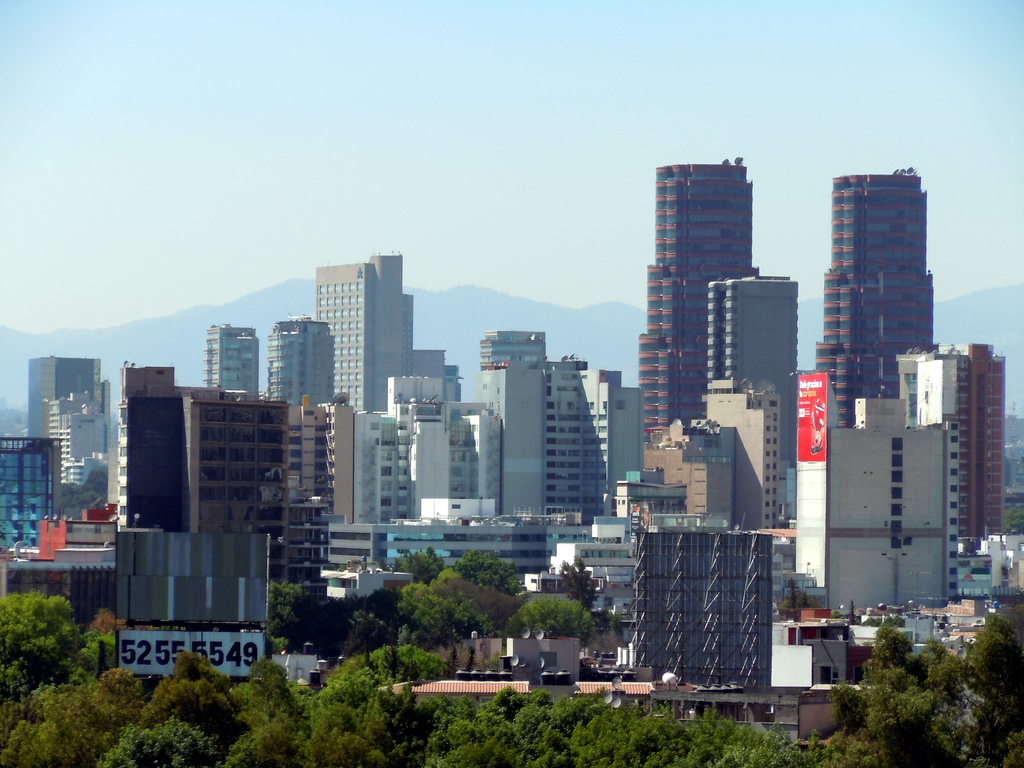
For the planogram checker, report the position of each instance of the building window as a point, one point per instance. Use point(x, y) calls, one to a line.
point(897, 493)
point(897, 443)
point(897, 476)
point(896, 510)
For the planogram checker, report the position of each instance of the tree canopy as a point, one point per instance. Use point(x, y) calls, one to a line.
point(557, 617)
point(486, 569)
point(424, 566)
point(38, 643)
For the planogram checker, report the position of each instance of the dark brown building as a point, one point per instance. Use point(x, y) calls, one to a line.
point(878, 291)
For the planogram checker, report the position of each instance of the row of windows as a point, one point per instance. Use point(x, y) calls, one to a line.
point(329, 288)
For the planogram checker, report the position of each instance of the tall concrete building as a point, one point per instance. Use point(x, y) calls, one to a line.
point(569, 434)
point(51, 379)
point(962, 389)
point(874, 507)
point(752, 335)
point(703, 225)
point(878, 290)
point(758, 470)
point(202, 460)
point(513, 348)
point(232, 359)
point(300, 362)
point(371, 321)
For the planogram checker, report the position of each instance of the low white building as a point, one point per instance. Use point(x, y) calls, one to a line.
point(342, 584)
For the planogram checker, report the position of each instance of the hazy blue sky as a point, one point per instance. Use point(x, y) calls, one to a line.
point(155, 156)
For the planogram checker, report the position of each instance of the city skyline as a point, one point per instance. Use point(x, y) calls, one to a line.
point(151, 146)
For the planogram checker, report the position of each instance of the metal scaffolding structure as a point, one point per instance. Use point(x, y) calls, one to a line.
point(704, 605)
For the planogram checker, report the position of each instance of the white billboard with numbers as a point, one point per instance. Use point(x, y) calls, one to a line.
point(153, 651)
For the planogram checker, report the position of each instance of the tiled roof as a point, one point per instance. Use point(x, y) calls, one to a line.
point(630, 689)
point(467, 687)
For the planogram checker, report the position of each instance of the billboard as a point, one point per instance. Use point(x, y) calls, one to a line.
point(191, 577)
point(153, 651)
point(812, 419)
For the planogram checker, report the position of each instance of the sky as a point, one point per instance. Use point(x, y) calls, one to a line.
point(156, 156)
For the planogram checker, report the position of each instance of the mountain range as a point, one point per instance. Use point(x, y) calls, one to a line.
point(455, 320)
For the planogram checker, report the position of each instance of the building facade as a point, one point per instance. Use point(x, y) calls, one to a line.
point(877, 517)
point(568, 435)
point(878, 290)
point(529, 541)
point(703, 225)
point(752, 326)
point(232, 359)
point(29, 487)
point(300, 362)
point(51, 379)
point(758, 469)
point(962, 388)
point(371, 321)
point(512, 347)
point(420, 449)
point(202, 460)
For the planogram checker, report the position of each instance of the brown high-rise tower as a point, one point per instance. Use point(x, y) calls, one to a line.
point(878, 291)
point(702, 233)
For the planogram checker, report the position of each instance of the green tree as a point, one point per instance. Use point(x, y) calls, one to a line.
point(74, 498)
point(290, 612)
point(557, 617)
point(171, 744)
point(406, 663)
point(578, 583)
point(486, 569)
point(437, 622)
point(995, 677)
point(424, 566)
point(1013, 520)
point(75, 725)
point(197, 695)
point(796, 599)
point(38, 643)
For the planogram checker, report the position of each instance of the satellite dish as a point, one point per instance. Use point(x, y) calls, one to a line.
point(608, 697)
point(542, 663)
point(525, 633)
point(514, 661)
point(616, 702)
point(767, 386)
point(669, 678)
point(539, 634)
point(616, 682)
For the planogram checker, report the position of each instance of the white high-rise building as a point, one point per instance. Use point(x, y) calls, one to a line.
point(422, 449)
point(232, 359)
point(569, 434)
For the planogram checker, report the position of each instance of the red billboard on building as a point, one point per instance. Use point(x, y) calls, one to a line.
point(812, 423)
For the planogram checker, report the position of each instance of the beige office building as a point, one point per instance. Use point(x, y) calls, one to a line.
point(371, 322)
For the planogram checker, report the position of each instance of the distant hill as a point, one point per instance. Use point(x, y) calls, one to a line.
point(454, 320)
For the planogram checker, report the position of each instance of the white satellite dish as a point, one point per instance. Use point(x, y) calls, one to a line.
point(616, 703)
point(539, 634)
point(608, 696)
point(525, 633)
point(616, 682)
point(542, 663)
point(514, 661)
